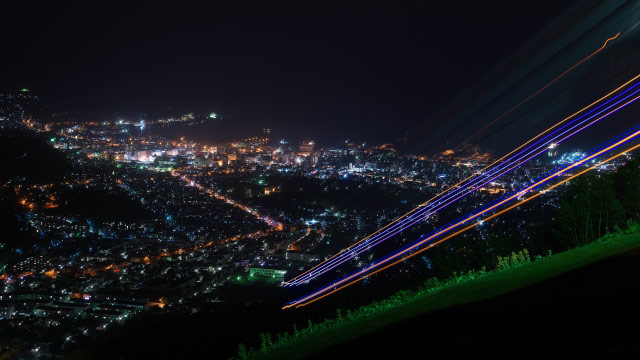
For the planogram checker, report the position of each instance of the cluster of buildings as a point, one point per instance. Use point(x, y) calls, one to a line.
point(192, 218)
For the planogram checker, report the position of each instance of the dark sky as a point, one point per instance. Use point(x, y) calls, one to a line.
point(323, 70)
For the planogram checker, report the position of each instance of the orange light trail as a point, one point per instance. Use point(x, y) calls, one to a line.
point(468, 178)
point(541, 89)
point(464, 229)
point(503, 201)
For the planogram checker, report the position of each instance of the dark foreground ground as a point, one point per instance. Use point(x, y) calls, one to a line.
point(592, 312)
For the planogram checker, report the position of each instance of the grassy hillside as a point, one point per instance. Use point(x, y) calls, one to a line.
point(466, 289)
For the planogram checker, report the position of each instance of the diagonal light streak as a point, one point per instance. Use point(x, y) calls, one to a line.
point(469, 227)
point(456, 186)
point(541, 89)
point(462, 222)
point(427, 211)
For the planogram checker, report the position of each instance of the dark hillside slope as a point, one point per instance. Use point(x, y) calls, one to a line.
point(590, 312)
point(31, 158)
point(583, 302)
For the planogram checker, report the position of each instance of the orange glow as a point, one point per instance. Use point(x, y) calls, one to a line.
point(25, 274)
point(161, 303)
point(468, 178)
point(464, 229)
point(295, 247)
point(52, 273)
point(50, 205)
point(90, 271)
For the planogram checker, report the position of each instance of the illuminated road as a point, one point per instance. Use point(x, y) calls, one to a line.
point(274, 224)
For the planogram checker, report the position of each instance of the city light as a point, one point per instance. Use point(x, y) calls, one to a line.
point(362, 274)
point(353, 139)
point(423, 211)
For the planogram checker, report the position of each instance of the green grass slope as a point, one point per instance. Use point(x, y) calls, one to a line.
point(353, 327)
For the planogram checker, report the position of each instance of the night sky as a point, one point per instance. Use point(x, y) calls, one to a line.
point(309, 70)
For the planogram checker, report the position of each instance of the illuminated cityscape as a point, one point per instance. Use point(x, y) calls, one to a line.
point(282, 192)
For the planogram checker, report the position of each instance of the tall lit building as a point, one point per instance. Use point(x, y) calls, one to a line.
point(307, 147)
